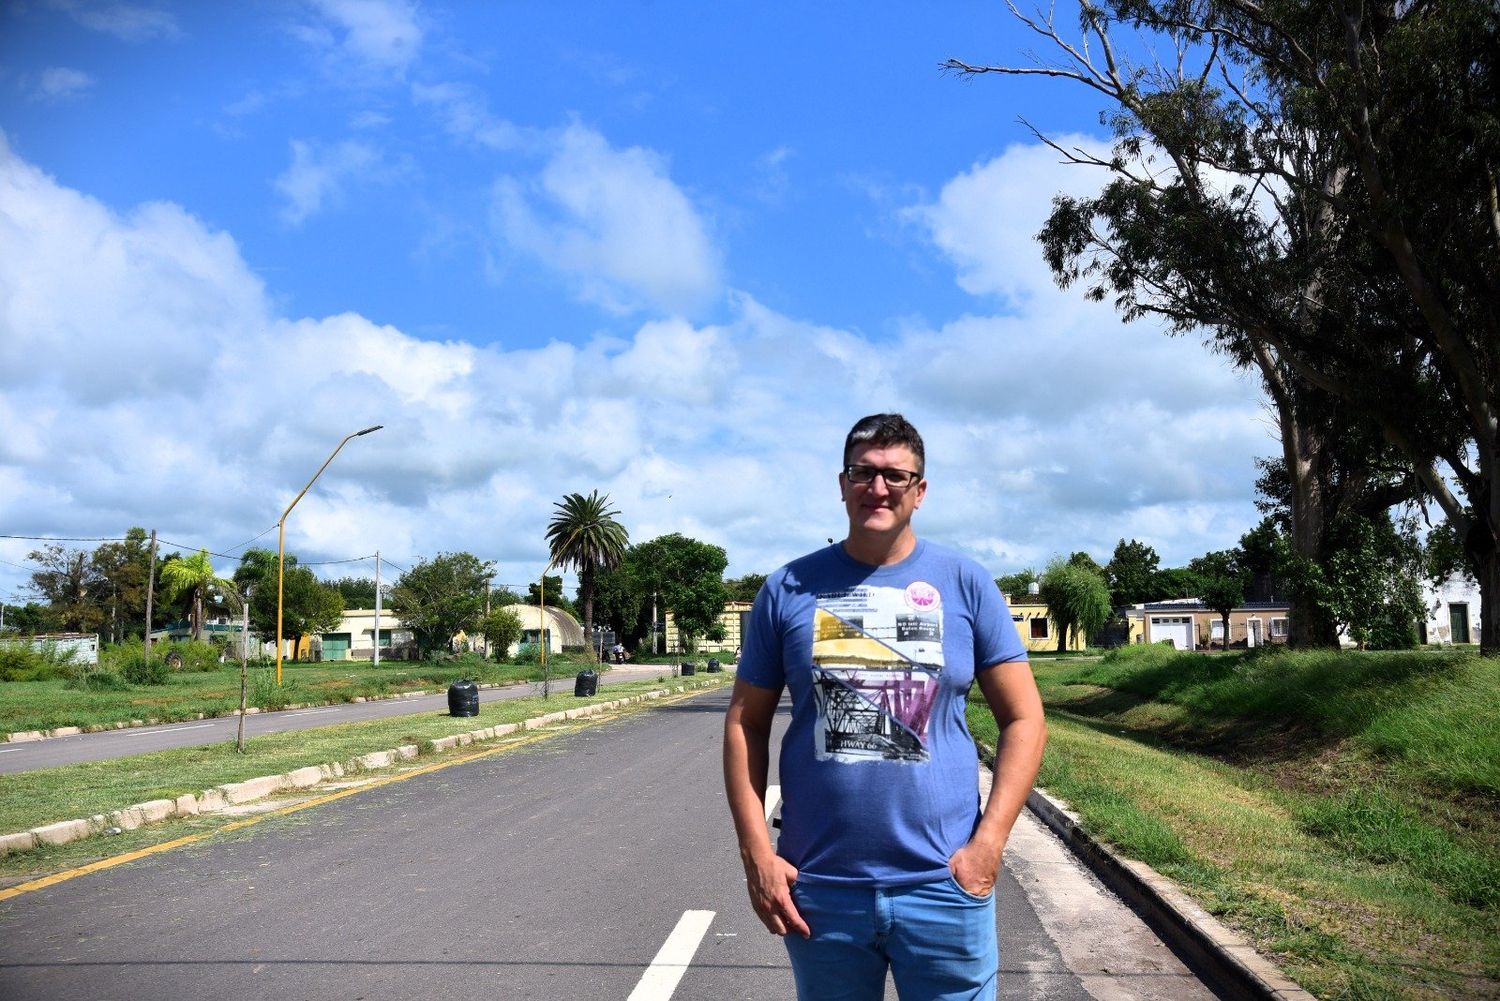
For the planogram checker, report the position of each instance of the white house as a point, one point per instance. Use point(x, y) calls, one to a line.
point(1452, 612)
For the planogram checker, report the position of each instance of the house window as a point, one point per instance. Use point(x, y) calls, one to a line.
point(1039, 630)
point(1216, 630)
point(1278, 628)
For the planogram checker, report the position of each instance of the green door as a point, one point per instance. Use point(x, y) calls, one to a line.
point(1458, 619)
point(335, 646)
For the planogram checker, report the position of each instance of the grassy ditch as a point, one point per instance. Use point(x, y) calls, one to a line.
point(184, 695)
point(1339, 809)
point(29, 799)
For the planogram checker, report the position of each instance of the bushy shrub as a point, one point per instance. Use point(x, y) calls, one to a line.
point(265, 693)
point(139, 671)
point(97, 681)
point(23, 662)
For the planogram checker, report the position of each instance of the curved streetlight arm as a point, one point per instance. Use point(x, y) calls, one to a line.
point(281, 539)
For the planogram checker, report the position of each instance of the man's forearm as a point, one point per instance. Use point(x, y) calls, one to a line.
point(747, 762)
point(1017, 760)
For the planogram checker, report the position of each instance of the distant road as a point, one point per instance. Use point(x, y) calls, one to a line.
point(56, 751)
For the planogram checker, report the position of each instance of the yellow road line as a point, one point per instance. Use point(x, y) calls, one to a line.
point(109, 863)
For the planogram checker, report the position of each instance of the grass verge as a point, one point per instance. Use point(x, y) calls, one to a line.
point(1291, 796)
point(46, 705)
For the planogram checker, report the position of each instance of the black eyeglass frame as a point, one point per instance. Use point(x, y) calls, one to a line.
point(867, 474)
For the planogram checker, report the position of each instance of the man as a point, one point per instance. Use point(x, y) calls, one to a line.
point(885, 861)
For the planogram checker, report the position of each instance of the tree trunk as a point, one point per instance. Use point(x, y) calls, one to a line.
point(1301, 449)
point(1486, 567)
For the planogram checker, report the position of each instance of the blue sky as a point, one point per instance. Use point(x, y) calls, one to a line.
point(666, 250)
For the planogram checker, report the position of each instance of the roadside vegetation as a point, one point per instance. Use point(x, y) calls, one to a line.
point(1339, 809)
point(43, 690)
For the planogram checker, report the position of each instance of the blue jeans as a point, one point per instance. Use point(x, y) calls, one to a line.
point(937, 940)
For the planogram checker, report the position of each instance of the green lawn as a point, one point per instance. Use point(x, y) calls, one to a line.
point(46, 705)
point(1339, 809)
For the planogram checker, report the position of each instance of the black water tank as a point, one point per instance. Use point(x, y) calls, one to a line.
point(713, 665)
point(463, 698)
point(688, 668)
point(587, 683)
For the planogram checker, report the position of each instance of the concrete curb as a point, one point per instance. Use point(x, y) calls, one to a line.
point(250, 790)
point(1228, 961)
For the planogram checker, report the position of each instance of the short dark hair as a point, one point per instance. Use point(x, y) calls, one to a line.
point(885, 430)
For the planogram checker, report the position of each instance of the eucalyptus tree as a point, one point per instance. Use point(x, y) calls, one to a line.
point(1314, 185)
point(72, 586)
point(583, 535)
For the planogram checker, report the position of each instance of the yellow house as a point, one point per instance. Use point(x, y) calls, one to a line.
point(1036, 627)
point(732, 618)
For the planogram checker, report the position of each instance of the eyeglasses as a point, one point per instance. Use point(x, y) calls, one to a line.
point(896, 479)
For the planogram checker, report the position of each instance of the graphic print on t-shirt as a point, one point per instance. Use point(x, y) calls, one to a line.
point(877, 653)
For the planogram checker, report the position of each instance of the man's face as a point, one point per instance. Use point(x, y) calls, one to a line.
point(876, 506)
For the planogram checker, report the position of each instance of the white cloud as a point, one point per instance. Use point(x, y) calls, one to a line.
point(613, 223)
point(319, 175)
point(146, 377)
point(129, 22)
point(58, 83)
point(379, 36)
point(986, 219)
point(465, 114)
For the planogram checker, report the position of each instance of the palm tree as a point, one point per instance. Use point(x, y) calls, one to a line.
point(584, 535)
point(194, 574)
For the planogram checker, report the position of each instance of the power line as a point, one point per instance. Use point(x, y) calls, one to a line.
point(58, 538)
point(262, 535)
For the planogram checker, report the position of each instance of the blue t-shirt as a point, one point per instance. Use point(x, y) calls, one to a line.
point(878, 770)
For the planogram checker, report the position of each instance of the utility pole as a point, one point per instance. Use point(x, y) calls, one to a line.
point(375, 661)
point(239, 740)
point(487, 592)
point(150, 591)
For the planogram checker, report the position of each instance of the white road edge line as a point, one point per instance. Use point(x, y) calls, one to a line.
point(311, 712)
point(673, 958)
point(773, 800)
point(175, 729)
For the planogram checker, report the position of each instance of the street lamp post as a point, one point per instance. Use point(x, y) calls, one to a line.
point(281, 540)
point(541, 627)
point(239, 739)
point(541, 611)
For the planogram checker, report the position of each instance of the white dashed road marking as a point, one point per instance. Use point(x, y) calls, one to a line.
point(673, 958)
point(143, 733)
point(773, 800)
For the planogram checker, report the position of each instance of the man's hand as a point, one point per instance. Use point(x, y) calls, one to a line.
point(974, 867)
point(770, 883)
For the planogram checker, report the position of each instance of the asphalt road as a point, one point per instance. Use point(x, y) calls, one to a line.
point(599, 864)
point(53, 751)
